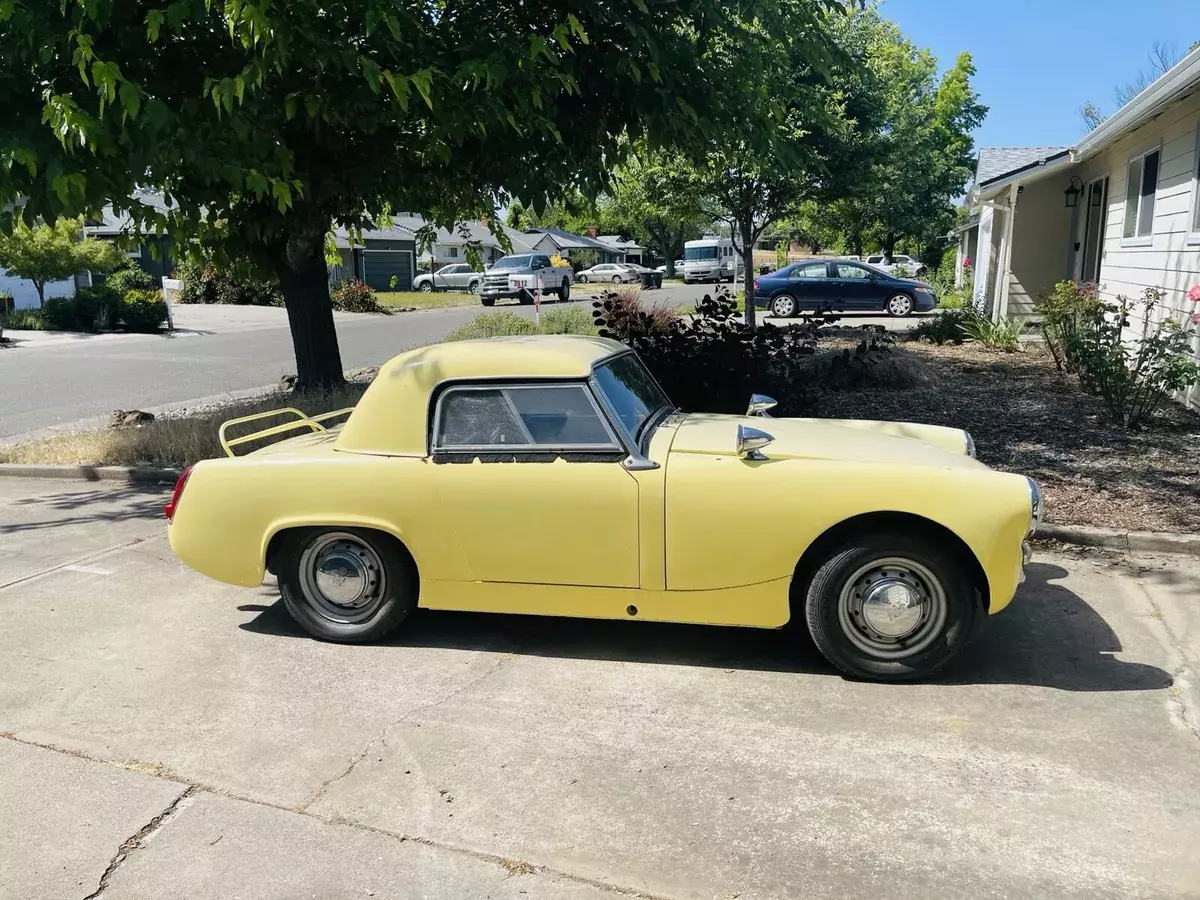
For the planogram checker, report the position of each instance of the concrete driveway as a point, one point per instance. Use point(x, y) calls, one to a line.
point(165, 736)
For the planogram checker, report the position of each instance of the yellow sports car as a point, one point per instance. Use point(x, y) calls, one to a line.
point(552, 476)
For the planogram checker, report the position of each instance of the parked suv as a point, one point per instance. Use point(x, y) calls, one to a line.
point(904, 266)
point(454, 277)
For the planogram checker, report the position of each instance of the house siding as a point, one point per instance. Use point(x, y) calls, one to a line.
point(1039, 259)
point(1171, 259)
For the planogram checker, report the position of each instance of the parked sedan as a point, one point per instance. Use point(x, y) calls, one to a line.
point(838, 284)
point(454, 277)
point(617, 273)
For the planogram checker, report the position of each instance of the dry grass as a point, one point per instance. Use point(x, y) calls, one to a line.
point(173, 441)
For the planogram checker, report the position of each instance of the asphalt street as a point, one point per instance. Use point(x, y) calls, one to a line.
point(165, 736)
point(67, 381)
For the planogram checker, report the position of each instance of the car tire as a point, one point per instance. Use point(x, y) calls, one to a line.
point(564, 289)
point(899, 305)
point(488, 301)
point(320, 570)
point(617, 279)
point(867, 640)
point(425, 287)
point(473, 287)
point(784, 306)
point(582, 279)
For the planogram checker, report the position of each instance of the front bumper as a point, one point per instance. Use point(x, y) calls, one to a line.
point(1026, 559)
point(924, 302)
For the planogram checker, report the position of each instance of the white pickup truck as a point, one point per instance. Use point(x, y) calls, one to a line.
point(517, 276)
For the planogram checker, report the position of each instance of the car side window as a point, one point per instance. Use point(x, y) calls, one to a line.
point(848, 271)
point(874, 260)
point(541, 262)
point(812, 270)
point(521, 418)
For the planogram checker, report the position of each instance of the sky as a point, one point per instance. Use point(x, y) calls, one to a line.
point(1038, 61)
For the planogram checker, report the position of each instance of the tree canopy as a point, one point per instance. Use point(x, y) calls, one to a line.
point(266, 124)
point(46, 253)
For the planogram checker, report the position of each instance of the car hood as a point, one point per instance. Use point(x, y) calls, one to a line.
point(899, 443)
point(912, 282)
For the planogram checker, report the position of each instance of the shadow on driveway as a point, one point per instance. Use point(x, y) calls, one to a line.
point(1049, 637)
point(87, 505)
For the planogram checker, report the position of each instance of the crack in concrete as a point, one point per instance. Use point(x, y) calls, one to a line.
point(137, 839)
point(1177, 709)
point(514, 867)
point(324, 787)
point(74, 562)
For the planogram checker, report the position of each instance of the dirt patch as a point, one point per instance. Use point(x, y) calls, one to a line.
point(1027, 418)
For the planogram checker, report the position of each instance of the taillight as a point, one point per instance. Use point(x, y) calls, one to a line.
point(755, 284)
point(170, 508)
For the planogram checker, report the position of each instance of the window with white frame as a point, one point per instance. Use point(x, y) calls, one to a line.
point(1195, 229)
point(1140, 184)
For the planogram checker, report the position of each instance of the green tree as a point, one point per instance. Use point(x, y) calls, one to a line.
point(267, 124)
point(655, 199)
point(45, 253)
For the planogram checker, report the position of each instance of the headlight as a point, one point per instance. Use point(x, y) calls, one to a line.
point(922, 290)
point(1036, 507)
point(970, 444)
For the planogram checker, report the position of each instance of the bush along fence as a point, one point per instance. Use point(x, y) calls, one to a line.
point(207, 284)
point(126, 299)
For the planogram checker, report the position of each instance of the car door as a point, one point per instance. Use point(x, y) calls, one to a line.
point(854, 286)
point(441, 278)
point(809, 283)
point(531, 475)
point(454, 276)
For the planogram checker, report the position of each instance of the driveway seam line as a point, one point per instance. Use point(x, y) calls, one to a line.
point(513, 866)
point(75, 562)
point(1176, 707)
point(137, 839)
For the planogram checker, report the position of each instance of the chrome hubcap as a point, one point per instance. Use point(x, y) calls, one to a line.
point(892, 608)
point(342, 577)
point(782, 308)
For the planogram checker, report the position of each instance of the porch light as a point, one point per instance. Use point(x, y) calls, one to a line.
point(1073, 191)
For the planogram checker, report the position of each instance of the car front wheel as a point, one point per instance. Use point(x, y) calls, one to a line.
point(426, 287)
point(347, 585)
point(564, 290)
point(488, 301)
point(899, 305)
point(783, 306)
point(582, 279)
point(891, 607)
point(617, 279)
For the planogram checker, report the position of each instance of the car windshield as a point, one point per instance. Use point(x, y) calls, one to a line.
point(700, 252)
point(632, 392)
point(512, 262)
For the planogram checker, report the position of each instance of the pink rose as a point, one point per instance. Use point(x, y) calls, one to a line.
point(1194, 294)
point(1196, 318)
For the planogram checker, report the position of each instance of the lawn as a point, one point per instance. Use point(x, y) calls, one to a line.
point(425, 299)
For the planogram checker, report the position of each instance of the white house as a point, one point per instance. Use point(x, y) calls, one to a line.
point(1121, 208)
point(450, 245)
point(631, 251)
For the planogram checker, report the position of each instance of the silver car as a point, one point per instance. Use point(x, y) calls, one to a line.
point(454, 277)
point(614, 272)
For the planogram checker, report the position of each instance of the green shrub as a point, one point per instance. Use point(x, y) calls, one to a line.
point(142, 311)
point(130, 278)
point(1003, 335)
point(354, 296)
point(955, 298)
point(570, 320)
point(494, 324)
point(1133, 376)
point(944, 328)
point(205, 284)
point(7, 304)
point(23, 319)
point(1069, 309)
point(59, 313)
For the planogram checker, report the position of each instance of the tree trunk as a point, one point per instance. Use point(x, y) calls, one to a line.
point(40, 287)
point(748, 271)
point(858, 244)
point(889, 247)
point(304, 277)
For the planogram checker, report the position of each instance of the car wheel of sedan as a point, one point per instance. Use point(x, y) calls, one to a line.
point(426, 287)
point(784, 306)
point(581, 278)
point(564, 290)
point(899, 305)
point(891, 607)
point(473, 287)
point(617, 279)
point(346, 584)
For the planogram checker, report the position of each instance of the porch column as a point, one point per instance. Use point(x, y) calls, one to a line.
point(1005, 262)
point(983, 259)
point(959, 255)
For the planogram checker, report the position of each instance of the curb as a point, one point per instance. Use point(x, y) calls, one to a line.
point(1114, 539)
point(120, 474)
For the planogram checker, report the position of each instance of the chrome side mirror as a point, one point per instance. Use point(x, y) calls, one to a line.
point(750, 442)
point(759, 404)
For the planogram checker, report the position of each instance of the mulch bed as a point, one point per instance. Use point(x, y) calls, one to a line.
point(1027, 418)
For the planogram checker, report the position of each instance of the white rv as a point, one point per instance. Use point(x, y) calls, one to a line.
point(710, 259)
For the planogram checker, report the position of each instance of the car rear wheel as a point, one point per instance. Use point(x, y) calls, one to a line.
point(784, 306)
point(891, 607)
point(617, 279)
point(426, 287)
point(899, 305)
point(564, 289)
point(473, 287)
point(347, 585)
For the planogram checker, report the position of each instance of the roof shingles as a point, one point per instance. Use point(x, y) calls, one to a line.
point(996, 162)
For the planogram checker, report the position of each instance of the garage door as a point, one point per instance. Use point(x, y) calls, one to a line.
point(380, 265)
